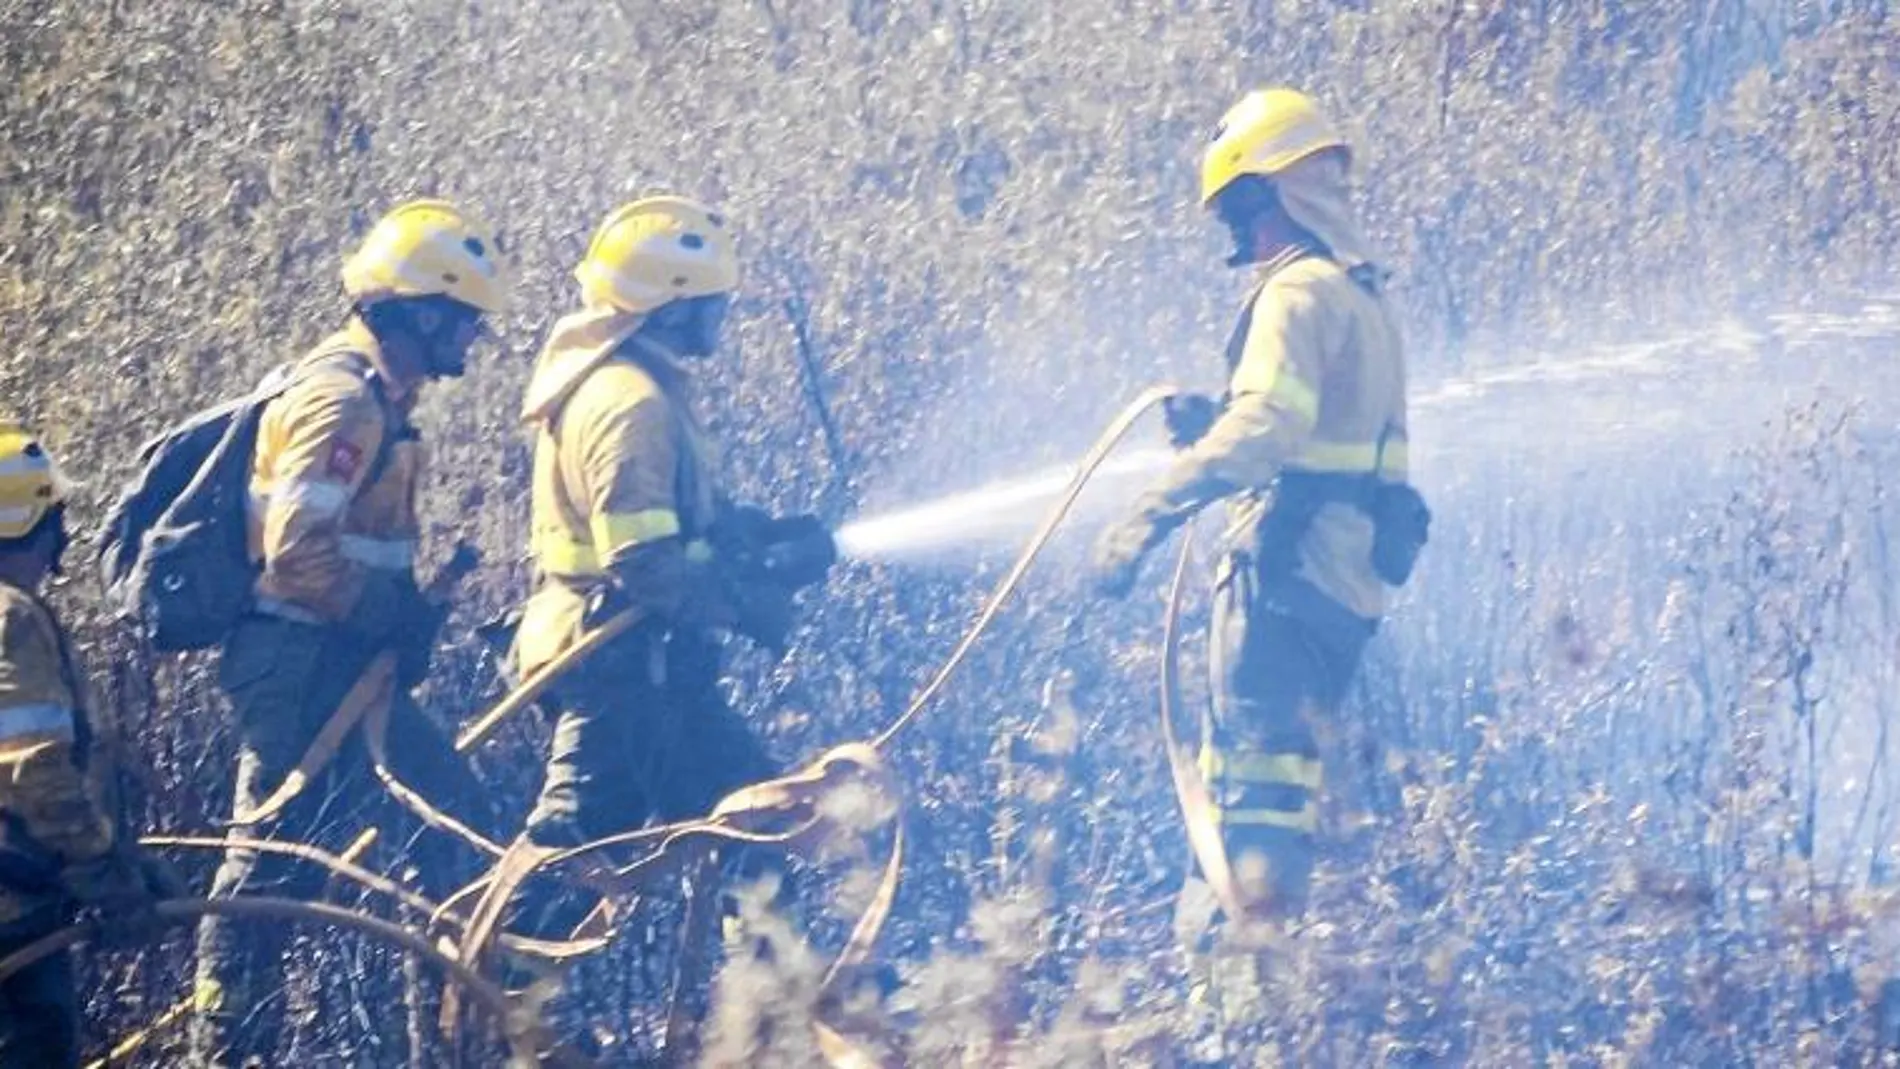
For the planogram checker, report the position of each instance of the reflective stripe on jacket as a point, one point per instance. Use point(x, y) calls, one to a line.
point(318, 519)
point(52, 793)
point(1318, 375)
point(619, 463)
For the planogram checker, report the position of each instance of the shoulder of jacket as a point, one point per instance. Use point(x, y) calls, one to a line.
point(614, 387)
point(1309, 274)
point(335, 377)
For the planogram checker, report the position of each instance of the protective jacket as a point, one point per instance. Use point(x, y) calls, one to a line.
point(333, 485)
point(623, 490)
point(56, 802)
point(1317, 385)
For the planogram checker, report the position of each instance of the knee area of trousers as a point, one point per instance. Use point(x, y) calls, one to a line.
point(1274, 870)
point(1280, 714)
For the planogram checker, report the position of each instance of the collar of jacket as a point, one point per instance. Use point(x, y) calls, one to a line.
point(666, 366)
point(578, 343)
point(1284, 259)
point(356, 337)
point(1264, 270)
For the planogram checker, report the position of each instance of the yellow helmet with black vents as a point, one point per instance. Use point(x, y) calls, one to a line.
point(428, 248)
point(30, 482)
point(657, 250)
point(1268, 131)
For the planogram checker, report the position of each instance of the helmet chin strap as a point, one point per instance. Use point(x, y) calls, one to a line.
point(1242, 256)
point(1240, 207)
point(62, 541)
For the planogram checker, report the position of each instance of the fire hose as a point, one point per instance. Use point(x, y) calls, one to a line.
point(783, 812)
point(796, 789)
point(523, 1035)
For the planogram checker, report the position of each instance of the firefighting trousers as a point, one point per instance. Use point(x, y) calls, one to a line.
point(284, 679)
point(641, 732)
point(1283, 656)
point(39, 1005)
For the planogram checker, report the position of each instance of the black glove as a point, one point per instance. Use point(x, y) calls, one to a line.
point(740, 535)
point(1189, 417)
point(799, 551)
point(765, 613)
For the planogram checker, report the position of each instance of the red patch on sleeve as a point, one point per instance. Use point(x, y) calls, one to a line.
point(345, 460)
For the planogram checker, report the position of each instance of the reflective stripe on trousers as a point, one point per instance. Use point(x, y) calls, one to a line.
point(1264, 789)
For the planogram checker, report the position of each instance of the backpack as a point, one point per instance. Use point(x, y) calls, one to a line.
point(174, 554)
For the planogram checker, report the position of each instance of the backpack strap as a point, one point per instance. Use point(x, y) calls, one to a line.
point(396, 427)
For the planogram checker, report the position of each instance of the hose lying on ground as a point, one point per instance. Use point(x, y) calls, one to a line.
point(439, 916)
point(739, 818)
point(799, 789)
point(788, 812)
point(1197, 807)
point(526, 1040)
point(303, 852)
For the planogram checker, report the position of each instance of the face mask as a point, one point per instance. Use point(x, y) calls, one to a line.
point(692, 326)
point(1239, 207)
point(705, 324)
point(445, 331)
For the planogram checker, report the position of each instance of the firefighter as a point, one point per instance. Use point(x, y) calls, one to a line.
point(62, 845)
point(1309, 446)
point(628, 516)
point(333, 524)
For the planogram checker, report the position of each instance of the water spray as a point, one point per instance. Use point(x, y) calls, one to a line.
point(993, 510)
point(1004, 509)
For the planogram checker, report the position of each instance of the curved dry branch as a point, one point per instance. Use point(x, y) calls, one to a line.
point(526, 1038)
point(756, 815)
point(305, 852)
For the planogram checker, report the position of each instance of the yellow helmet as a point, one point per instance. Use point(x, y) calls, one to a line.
point(30, 483)
point(656, 250)
point(1267, 132)
point(428, 248)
